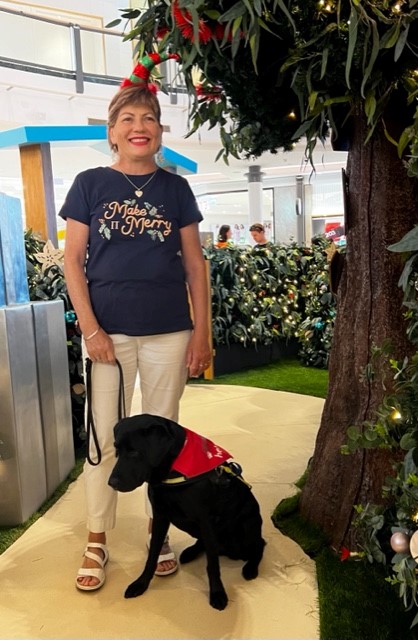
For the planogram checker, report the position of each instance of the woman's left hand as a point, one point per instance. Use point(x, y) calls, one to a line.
point(199, 355)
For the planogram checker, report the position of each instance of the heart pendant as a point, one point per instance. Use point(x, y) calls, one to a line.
point(138, 193)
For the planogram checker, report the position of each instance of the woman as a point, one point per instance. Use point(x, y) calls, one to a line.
point(132, 254)
point(224, 237)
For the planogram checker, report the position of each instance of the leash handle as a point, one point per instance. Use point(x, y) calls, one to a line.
point(91, 428)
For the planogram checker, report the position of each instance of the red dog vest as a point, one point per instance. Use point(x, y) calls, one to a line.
point(199, 455)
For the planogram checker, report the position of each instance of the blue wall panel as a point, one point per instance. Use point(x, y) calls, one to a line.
point(13, 276)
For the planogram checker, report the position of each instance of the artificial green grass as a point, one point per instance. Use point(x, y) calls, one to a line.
point(285, 375)
point(287, 518)
point(355, 601)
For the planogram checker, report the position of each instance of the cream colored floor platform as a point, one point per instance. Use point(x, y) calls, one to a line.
point(272, 435)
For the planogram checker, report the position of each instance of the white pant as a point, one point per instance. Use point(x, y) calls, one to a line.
point(160, 361)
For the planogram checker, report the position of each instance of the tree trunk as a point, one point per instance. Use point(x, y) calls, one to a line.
point(382, 205)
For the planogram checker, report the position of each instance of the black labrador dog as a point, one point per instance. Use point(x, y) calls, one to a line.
point(192, 485)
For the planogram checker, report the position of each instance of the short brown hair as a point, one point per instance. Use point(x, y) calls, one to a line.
point(135, 96)
point(257, 227)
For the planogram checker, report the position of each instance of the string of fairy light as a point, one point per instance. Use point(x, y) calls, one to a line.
point(264, 295)
point(283, 306)
point(329, 7)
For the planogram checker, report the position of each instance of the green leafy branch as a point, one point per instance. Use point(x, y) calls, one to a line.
point(396, 428)
point(305, 66)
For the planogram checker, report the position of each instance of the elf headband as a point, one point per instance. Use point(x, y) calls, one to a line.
point(141, 73)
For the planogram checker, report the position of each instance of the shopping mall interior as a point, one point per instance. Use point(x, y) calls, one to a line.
point(56, 74)
point(59, 67)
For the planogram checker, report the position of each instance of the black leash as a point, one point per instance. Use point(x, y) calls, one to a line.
point(91, 429)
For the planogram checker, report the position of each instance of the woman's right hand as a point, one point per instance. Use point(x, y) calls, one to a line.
point(100, 348)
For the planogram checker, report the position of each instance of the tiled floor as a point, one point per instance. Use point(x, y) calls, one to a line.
point(272, 435)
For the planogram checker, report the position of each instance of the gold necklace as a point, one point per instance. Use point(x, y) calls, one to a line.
point(139, 190)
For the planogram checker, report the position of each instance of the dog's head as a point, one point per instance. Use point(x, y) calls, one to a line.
point(146, 446)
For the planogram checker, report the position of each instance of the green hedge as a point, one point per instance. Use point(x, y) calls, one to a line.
point(262, 295)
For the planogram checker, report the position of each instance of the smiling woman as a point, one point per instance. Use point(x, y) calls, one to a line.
point(132, 255)
point(136, 130)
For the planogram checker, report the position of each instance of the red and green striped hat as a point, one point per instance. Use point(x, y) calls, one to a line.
point(142, 71)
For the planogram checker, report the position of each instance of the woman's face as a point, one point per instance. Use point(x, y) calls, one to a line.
point(136, 133)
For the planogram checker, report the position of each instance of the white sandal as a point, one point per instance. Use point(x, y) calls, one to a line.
point(164, 557)
point(99, 572)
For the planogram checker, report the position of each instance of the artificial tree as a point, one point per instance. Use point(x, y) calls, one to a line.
point(270, 72)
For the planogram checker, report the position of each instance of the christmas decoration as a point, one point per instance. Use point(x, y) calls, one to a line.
point(70, 317)
point(316, 329)
point(281, 291)
point(413, 546)
point(255, 296)
point(396, 429)
point(400, 542)
point(346, 554)
point(50, 256)
point(306, 61)
point(142, 71)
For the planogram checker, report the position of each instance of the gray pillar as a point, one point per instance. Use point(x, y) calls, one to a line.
point(255, 194)
point(54, 390)
point(22, 457)
point(300, 210)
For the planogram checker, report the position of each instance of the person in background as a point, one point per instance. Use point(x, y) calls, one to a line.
point(259, 235)
point(132, 253)
point(224, 237)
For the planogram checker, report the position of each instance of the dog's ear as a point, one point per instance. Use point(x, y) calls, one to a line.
point(159, 444)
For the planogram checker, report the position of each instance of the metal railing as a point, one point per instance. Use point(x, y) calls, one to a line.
point(49, 46)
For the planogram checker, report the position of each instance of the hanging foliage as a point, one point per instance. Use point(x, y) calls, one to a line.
point(304, 65)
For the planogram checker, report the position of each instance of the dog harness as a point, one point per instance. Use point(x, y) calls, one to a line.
point(200, 456)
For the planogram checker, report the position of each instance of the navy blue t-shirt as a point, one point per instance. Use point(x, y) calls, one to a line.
point(134, 266)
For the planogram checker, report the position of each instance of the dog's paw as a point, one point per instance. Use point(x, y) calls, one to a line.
point(249, 571)
point(218, 600)
point(136, 588)
point(191, 553)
